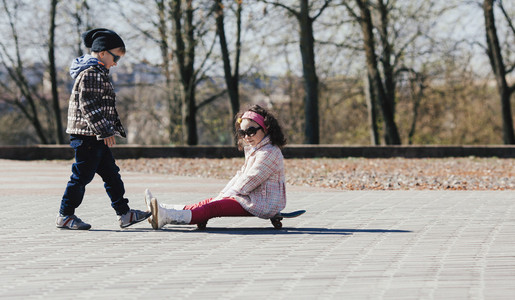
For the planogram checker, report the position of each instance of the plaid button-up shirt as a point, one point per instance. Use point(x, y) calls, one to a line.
point(92, 109)
point(260, 184)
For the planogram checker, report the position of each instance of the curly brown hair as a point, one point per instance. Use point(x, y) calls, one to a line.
point(273, 128)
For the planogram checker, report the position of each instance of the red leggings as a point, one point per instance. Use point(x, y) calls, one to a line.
point(207, 209)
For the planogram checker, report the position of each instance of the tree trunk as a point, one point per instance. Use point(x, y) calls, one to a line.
point(53, 73)
point(190, 117)
point(173, 104)
point(372, 111)
point(185, 53)
point(418, 81)
point(391, 132)
point(231, 80)
point(80, 15)
point(307, 50)
point(499, 69)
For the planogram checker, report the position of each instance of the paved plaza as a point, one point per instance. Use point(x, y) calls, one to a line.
point(349, 244)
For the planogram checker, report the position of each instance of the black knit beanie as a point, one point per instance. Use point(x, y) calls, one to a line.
point(101, 39)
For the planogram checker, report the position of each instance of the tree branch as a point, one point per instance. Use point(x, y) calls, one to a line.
point(208, 54)
point(326, 4)
point(211, 99)
point(350, 45)
point(351, 11)
point(508, 19)
point(278, 4)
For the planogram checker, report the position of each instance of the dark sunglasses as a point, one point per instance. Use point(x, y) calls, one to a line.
point(250, 132)
point(116, 58)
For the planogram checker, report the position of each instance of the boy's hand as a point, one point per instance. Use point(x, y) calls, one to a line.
point(110, 141)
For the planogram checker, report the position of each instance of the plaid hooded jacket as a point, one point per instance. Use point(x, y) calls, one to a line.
point(260, 184)
point(92, 108)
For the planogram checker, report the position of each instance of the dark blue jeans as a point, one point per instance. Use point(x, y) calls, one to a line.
point(93, 156)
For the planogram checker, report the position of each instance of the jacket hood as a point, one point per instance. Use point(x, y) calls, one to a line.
point(82, 63)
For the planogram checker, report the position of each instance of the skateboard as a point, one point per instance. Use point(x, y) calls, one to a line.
point(276, 220)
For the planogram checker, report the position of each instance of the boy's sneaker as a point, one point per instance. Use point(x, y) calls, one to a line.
point(133, 216)
point(71, 222)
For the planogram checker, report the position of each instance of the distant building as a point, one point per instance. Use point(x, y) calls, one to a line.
point(139, 73)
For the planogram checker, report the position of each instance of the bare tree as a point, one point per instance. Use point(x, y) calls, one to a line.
point(80, 14)
point(307, 50)
point(187, 35)
point(172, 98)
point(22, 94)
point(384, 92)
point(391, 31)
point(185, 54)
point(371, 109)
point(161, 33)
point(231, 77)
point(499, 68)
point(181, 36)
point(53, 73)
point(417, 85)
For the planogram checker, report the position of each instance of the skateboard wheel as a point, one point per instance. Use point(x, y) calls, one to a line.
point(202, 225)
point(277, 224)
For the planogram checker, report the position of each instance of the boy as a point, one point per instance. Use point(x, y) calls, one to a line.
point(93, 123)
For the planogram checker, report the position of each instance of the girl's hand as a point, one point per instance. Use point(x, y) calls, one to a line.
point(110, 141)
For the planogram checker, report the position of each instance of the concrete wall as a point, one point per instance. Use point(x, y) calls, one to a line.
point(50, 152)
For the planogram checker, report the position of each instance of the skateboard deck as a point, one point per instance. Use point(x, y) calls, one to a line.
point(276, 220)
point(292, 214)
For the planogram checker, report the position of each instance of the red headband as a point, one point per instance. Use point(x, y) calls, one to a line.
point(256, 118)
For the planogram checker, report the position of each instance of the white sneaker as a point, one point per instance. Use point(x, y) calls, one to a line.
point(162, 215)
point(148, 197)
point(156, 216)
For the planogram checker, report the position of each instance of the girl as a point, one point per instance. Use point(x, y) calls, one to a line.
point(258, 189)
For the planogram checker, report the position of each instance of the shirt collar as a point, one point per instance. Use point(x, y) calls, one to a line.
point(265, 141)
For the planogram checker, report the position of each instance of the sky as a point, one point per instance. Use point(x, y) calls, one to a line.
point(259, 37)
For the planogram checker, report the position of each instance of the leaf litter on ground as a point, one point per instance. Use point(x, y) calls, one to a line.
point(469, 173)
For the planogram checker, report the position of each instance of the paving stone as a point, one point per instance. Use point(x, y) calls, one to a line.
point(349, 244)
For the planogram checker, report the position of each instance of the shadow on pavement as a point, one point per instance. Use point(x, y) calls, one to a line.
point(254, 230)
point(284, 230)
